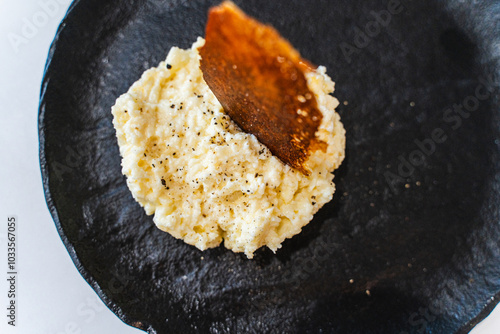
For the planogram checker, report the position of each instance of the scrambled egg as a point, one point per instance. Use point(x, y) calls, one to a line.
point(204, 179)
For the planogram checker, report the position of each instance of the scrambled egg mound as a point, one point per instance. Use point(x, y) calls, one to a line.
point(204, 179)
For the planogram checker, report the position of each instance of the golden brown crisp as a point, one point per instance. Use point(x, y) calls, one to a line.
point(258, 77)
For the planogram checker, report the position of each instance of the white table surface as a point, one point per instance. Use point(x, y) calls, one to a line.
point(52, 297)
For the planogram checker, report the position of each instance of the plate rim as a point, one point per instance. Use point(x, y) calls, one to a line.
point(44, 169)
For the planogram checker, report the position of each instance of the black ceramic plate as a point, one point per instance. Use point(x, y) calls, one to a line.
point(410, 243)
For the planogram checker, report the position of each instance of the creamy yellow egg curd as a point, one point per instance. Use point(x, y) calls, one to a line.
point(205, 180)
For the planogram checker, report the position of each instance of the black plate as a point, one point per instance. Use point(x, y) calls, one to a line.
point(410, 243)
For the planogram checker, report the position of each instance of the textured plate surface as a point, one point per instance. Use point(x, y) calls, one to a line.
point(410, 243)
